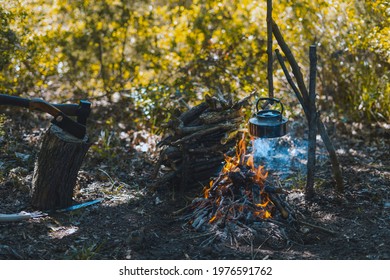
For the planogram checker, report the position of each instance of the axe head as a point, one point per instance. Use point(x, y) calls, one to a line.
point(83, 111)
point(72, 127)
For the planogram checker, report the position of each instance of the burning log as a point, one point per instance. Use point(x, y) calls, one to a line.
point(238, 195)
point(196, 141)
point(278, 204)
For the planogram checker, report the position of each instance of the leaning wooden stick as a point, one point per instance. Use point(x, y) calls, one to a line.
point(304, 100)
point(311, 158)
point(332, 155)
point(291, 82)
point(291, 59)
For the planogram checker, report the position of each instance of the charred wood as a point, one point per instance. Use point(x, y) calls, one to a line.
point(217, 149)
point(245, 101)
point(278, 204)
point(193, 113)
point(197, 135)
point(217, 117)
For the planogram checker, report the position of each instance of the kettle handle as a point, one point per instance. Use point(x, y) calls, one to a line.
point(272, 102)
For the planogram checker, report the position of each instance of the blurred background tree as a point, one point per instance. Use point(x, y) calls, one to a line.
point(151, 56)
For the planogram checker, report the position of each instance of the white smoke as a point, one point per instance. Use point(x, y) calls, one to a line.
point(283, 156)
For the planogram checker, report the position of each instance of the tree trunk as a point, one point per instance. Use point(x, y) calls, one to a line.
point(56, 169)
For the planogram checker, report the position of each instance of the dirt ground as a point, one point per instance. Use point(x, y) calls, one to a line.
point(136, 219)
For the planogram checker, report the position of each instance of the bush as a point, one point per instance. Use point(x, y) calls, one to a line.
point(152, 55)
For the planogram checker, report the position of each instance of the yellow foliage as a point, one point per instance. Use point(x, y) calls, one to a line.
point(187, 48)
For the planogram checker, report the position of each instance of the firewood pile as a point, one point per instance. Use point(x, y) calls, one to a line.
point(195, 141)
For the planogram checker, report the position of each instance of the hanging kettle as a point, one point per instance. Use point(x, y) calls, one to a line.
point(268, 123)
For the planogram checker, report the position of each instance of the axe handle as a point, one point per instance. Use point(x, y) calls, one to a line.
point(68, 109)
point(39, 104)
point(60, 119)
point(14, 101)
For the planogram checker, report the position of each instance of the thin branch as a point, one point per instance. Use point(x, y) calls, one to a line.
point(123, 55)
point(103, 72)
point(317, 227)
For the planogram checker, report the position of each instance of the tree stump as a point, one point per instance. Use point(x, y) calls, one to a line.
point(56, 169)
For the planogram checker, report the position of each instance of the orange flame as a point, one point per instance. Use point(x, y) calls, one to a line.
point(206, 190)
point(233, 164)
point(213, 219)
point(267, 215)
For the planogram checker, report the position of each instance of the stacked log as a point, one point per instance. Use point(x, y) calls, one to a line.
point(195, 142)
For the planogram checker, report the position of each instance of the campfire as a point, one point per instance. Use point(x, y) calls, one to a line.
point(240, 194)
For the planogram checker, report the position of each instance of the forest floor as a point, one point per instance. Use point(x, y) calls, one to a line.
point(136, 219)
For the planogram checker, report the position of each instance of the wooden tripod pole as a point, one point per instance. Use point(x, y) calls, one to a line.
point(269, 50)
point(303, 97)
point(312, 120)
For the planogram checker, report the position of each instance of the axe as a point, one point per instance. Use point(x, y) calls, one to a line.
point(60, 112)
